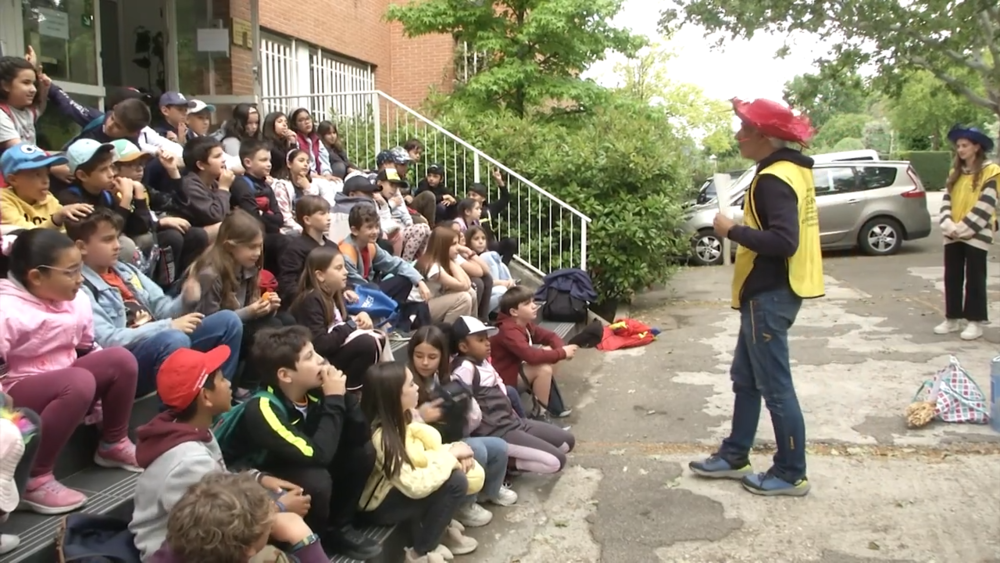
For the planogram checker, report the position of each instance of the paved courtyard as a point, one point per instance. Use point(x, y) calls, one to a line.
point(881, 492)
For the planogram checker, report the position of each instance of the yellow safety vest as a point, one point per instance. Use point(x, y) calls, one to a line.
point(805, 267)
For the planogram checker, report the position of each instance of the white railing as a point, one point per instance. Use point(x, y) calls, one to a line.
point(549, 232)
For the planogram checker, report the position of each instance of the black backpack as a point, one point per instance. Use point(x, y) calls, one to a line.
point(455, 402)
point(562, 307)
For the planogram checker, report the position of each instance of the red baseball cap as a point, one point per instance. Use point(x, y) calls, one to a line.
point(184, 373)
point(774, 120)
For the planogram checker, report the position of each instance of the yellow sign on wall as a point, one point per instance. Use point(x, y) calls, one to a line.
point(242, 33)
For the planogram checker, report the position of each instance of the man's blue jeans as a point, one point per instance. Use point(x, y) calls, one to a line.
point(761, 369)
point(491, 453)
point(223, 327)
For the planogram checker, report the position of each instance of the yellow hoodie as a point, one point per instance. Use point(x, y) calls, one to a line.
point(432, 465)
point(16, 212)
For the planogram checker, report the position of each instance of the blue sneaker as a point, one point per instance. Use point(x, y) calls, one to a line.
point(714, 467)
point(769, 485)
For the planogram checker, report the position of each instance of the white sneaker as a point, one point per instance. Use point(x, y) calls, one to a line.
point(8, 543)
point(972, 331)
point(457, 543)
point(472, 515)
point(506, 497)
point(948, 326)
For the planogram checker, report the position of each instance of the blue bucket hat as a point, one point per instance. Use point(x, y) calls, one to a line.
point(25, 156)
point(970, 134)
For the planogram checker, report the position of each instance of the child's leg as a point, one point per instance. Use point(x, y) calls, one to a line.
point(449, 306)
point(534, 454)
point(350, 469)
point(61, 398)
point(428, 517)
point(221, 327)
point(552, 434)
point(491, 453)
point(354, 359)
point(484, 295)
point(151, 352)
point(540, 379)
point(115, 372)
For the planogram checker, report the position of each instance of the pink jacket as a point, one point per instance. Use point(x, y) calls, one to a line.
point(37, 336)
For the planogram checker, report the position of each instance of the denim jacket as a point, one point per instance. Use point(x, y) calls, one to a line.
point(110, 326)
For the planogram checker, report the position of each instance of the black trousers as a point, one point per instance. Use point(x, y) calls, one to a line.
point(185, 247)
point(965, 282)
point(505, 247)
point(428, 517)
point(354, 359)
point(335, 490)
point(274, 246)
point(484, 289)
point(399, 288)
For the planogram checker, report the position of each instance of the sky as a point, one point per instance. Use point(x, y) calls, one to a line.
point(744, 69)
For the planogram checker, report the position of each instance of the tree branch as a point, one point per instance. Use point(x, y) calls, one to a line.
point(954, 83)
point(989, 27)
point(959, 58)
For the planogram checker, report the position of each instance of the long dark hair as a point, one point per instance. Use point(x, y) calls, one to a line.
point(10, 67)
point(330, 127)
point(237, 229)
point(236, 125)
point(382, 406)
point(293, 122)
point(319, 259)
point(267, 132)
point(436, 338)
point(958, 165)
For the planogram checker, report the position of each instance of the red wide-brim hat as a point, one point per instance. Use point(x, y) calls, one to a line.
point(774, 120)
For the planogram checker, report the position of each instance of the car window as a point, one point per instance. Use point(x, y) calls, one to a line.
point(875, 177)
point(834, 180)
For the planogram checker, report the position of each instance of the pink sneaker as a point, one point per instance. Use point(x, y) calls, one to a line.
point(120, 455)
point(45, 495)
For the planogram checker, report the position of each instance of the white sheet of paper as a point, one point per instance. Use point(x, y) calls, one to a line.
point(722, 184)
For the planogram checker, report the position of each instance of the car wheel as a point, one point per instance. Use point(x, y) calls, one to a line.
point(882, 236)
point(706, 248)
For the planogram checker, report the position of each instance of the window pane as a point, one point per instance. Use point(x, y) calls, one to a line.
point(62, 34)
point(843, 180)
point(873, 177)
point(199, 71)
point(55, 129)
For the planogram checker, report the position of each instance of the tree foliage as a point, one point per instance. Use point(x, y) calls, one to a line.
point(923, 112)
point(825, 94)
point(535, 50)
point(646, 78)
point(839, 127)
point(936, 36)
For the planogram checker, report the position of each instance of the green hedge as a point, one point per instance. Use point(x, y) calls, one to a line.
point(931, 166)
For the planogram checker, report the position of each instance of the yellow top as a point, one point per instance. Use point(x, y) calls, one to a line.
point(17, 212)
point(805, 267)
point(964, 195)
point(430, 467)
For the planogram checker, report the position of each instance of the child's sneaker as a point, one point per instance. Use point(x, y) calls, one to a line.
point(473, 516)
point(8, 543)
point(45, 495)
point(432, 557)
point(120, 455)
point(458, 543)
point(972, 331)
point(506, 497)
point(456, 524)
point(948, 326)
point(444, 552)
point(714, 467)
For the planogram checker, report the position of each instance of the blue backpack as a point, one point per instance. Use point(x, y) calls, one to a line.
point(227, 424)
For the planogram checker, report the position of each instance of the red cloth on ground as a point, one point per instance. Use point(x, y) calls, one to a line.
point(625, 333)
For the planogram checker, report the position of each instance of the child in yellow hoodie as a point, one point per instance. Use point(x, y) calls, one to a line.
point(416, 479)
point(27, 203)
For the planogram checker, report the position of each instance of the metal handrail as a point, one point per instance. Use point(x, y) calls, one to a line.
point(446, 133)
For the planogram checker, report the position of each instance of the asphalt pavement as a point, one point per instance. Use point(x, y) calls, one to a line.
point(881, 492)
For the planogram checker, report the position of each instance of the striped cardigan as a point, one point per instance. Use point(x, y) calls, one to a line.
point(976, 227)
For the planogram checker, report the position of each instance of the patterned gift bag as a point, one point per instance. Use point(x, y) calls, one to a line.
point(956, 395)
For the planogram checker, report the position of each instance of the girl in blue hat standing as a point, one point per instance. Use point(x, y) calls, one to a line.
point(968, 218)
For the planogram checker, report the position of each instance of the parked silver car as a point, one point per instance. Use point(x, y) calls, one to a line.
point(874, 205)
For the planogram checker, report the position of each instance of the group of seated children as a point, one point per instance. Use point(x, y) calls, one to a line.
point(331, 408)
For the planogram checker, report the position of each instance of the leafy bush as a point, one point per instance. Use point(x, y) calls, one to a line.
point(620, 164)
point(931, 166)
point(849, 144)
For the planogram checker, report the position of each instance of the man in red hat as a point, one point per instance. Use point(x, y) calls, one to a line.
point(778, 264)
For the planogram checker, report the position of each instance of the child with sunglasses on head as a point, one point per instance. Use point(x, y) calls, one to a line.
point(54, 366)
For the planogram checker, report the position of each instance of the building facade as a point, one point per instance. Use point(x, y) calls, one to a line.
point(226, 51)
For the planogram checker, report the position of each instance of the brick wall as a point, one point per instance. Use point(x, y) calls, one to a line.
point(404, 68)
